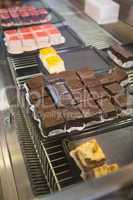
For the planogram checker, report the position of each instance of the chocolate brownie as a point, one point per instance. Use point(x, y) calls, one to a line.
point(108, 109)
point(114, 88)
point(92, 82)
point(86, 73)
point(35, 82)
point(81, 95)
point(123, 101)
point(98, 92)
point(90, 110)
point(119, 74)
point(36, 93)
point(74, 84)
point(73, 118)
point(52, 120)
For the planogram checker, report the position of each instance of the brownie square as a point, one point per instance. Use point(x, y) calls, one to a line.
point(105, 79)
point(74, 84)
point(114, 88)
point(52, 120)
point(66, 100)
point(93, 82)
point(86, 73)
point(119, 74)
point(98, 92)
point(80, 95)
point(37, 93)
point(73, 118)
point(123, 101)
point(90, 110)
point(44, 105)
point(35, 82)
point(108, 109)
point(121, 52)
point(68, 75)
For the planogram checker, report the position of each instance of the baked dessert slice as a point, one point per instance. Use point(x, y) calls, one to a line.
point(105, 170)
point(121, 56)
point(88, 155)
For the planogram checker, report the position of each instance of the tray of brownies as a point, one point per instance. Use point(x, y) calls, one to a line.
point(71, 101)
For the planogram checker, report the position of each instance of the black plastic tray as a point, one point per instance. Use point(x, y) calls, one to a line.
point(72, 42)
point(117, 146)
point(84, 57)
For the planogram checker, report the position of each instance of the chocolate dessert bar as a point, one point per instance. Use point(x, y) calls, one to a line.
point(105, 170)
point(119, 74)
point(68, 75)
point(73, 118)
point(86, 73)
point(121, 56)
point(81, 95)
point(88, 155)
point(123, 101)
point(92, 82)
point(108, 109)
point(74, 84)
point(114, 88)
point(60, 93)
point(35, 82)
point(37, 93)
point(44, 105)
point(52, 120)
point(106, 79)
point(98, 92)
point(90, 110)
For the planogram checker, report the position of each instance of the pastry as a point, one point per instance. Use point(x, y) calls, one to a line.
point(88, 155)
point(121, 56)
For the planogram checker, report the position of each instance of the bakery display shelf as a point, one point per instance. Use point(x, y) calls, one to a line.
point(54, 160)
point(51, 156)
point(117, 146)
point(72, 42)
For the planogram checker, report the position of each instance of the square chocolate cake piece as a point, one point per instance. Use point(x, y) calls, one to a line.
point(92, 82)
point(106, 78)
point(90, 110)
point(81, 95)
point(66, 100)
point(73, 118)
point(86, 73)
point(35, 82)
point(44, 105)
point(98, 92)
point(121, 56)
point(108, 109)
point(123, 101)
point(114, 88)
point(74, 84)
point(37, 93)
point(68, 75)
point(52, 120)
point(119, 74)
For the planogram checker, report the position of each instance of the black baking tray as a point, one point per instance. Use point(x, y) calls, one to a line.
point(117, 146)
point(84, 57)
point(72, 42)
